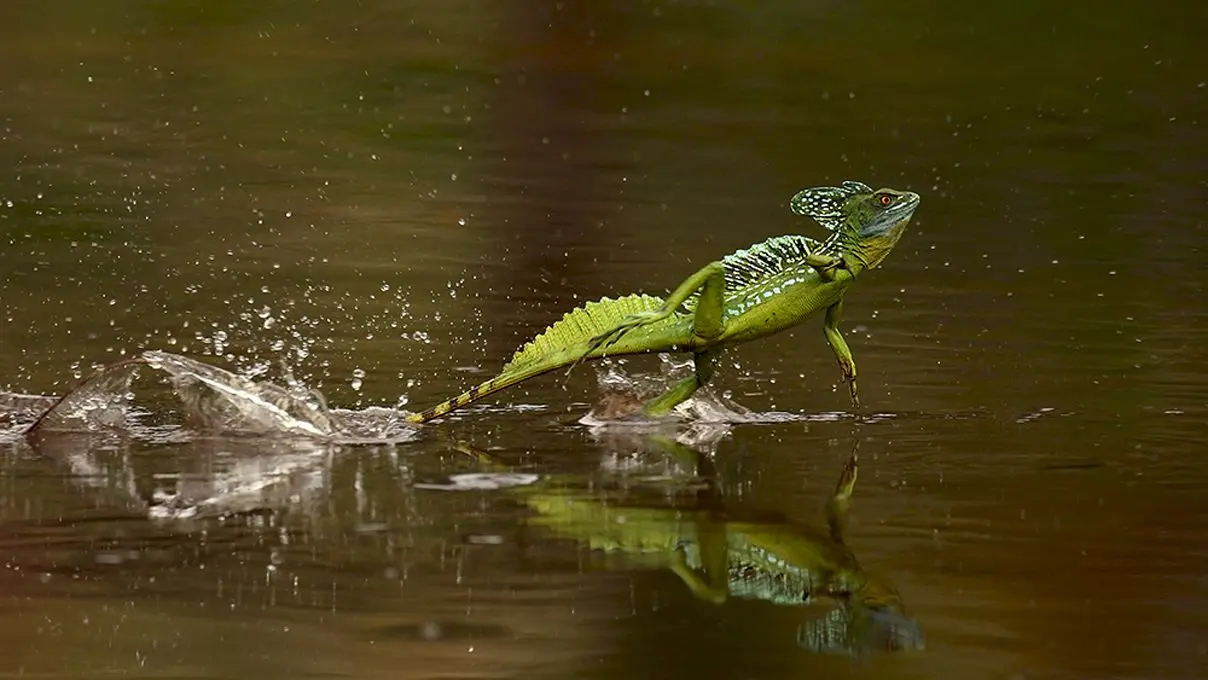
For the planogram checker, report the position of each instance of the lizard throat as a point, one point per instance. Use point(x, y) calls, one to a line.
point(871, 252)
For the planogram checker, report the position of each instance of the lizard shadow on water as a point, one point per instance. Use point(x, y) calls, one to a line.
point(721, 554)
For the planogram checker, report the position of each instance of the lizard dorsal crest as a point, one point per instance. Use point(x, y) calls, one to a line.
point(766, 259)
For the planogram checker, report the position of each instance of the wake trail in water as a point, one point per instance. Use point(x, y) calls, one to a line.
point(215, 401)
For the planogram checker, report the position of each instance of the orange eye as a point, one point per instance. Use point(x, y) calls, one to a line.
point(886, 199)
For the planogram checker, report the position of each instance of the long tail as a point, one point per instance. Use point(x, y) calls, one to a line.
point(562, 344)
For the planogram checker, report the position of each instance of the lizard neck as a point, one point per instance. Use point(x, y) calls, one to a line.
point(870, 252)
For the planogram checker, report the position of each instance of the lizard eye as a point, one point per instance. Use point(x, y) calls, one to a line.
point(885, 199)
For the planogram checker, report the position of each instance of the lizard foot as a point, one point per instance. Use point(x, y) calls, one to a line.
point(848, 375)
point(847, 478)
point(855, 396)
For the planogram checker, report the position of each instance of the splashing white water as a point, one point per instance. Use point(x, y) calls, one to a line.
point(622, 395)
point(217, 401)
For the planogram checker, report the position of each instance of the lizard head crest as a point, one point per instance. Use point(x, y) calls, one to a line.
point(866, 222)
point(825, 204)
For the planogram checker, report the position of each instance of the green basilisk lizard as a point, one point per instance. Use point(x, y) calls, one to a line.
point(749, 294)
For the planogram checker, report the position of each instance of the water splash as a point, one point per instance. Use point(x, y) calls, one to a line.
point(622, 395)
point(99, 404)
point(373, 425)
point(216, 400)
point(213, 401)
point(19, 411)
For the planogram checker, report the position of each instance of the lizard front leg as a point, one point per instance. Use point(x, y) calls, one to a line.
point(847, 364)
point(825, 265)
point(836, 507)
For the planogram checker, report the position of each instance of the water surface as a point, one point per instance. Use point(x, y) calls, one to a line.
point(382, 202)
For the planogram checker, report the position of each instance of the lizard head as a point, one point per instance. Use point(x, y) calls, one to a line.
point(867, 223)
point(871, 618)
point(857, 631)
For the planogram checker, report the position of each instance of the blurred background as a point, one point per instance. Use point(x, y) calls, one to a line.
point(383, 199)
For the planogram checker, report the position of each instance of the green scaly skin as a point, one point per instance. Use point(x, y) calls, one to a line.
point(720, 556)
point(750, 294)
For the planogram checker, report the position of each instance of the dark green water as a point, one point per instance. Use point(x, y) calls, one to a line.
point(411, 190)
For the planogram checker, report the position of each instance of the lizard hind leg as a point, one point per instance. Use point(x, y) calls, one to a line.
point(708, 321)
point(708, 324)
point(684, 389)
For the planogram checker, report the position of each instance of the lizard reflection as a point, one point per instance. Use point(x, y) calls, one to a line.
point(720, 554)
